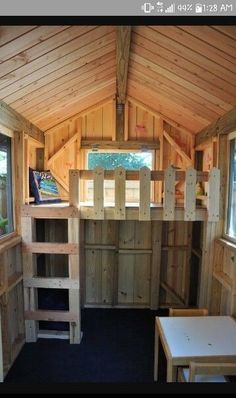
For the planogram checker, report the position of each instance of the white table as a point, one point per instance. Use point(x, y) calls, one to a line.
point(185, 339)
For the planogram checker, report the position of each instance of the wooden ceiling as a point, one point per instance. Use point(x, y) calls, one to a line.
point(186, 73)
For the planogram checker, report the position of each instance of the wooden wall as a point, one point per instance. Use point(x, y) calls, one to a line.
point(64, 143)
point(11, 303)
point(224, 279)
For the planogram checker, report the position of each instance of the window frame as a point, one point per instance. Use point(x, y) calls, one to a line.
point(9, 133)
point(85, 162)
point(230, 238)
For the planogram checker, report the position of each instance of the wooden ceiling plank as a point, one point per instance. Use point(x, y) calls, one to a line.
point(90, 72)
point(58, 40)
point(179, 79)
point(169, 69)
point(173, 111)
point(61, 104)
point(31, 78)
point(28, 40)
point(64, 96)
point(58, 57)
point(13, 120)
point(123, 37)
point(186, 65)
point(229, 31)
point(159, 115)
point(54, 77)
point(169, 98)
point(25, 101)
point(197, 45)
point(79, 106)
point(175, 97)
point(214, 38)
point(211, 109)
point(86, 111)
point(8, 33)
point(223, 125)
point(185, 52)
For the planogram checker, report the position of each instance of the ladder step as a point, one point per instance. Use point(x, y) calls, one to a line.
point(56, 316)
point(52, 283)
point(51, 248)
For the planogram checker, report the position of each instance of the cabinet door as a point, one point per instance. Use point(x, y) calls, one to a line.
point(134, 279)
point(99, 266)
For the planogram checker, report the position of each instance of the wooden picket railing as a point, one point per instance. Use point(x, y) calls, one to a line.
point(145, 176)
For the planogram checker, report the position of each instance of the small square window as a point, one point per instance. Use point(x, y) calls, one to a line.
point(109, 160)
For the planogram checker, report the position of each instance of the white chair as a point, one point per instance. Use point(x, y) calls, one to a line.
point(188, 311)
point(206, 372)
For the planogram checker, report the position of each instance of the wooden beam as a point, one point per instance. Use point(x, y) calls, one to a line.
point(223, 125)
point(90, 144)
point(123, 38)
point(14, 121)
point(177, 148)
point(63, 148)
point(59, 180)
point(170, 290)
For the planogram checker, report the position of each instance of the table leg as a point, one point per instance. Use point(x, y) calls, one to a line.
point(1, 353)
point(156, 352)
point(171, 372)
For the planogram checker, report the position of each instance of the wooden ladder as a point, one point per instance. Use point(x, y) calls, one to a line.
point(32, 282)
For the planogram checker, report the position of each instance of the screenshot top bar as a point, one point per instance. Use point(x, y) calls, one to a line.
point(117, 8)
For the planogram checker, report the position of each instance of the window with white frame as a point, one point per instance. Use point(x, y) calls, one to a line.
point(6, 205)
point(109, 160)
point(231, 205)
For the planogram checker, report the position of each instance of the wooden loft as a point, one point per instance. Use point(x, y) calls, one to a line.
point(145, 210)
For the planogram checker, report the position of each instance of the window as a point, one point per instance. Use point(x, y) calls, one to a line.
point(6, 218)
point(231, 209)
point(111, 160)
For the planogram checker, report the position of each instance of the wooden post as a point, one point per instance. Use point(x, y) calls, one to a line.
point(29, 271)
point(169, 194)
point(144, 193)
point(19, 177)
point(161, 153)
point(98, 192)
point(190, 195)
point(74, 187)
point(1, 353)
point(120, 193)
point(156, 264)
point(74, 274)
point(213, 202)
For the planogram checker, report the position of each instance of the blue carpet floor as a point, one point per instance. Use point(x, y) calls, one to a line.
point(117, 347)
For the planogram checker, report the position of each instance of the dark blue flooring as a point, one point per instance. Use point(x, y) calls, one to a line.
point(117, 347)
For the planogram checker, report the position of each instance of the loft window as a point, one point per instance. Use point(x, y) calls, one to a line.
point(231, 209)
point(6, 213)
point(110, 160)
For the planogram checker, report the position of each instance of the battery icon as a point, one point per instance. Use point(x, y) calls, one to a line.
point(198, 8)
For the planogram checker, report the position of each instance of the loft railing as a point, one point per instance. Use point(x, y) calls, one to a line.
point(145, 176)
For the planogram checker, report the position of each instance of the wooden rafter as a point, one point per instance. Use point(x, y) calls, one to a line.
point(177, 148)
point(13, 120)
point(123, 37)
point(223, 125)
point(90, 144)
